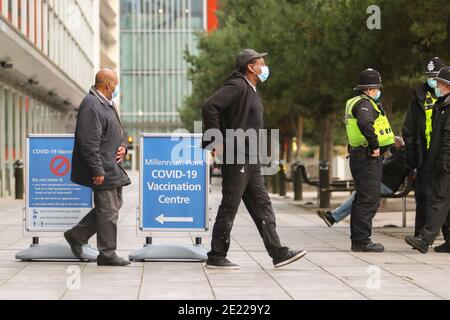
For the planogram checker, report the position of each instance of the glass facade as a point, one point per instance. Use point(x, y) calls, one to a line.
point(154, 36)
point(61, 29)
point(61, 32)
point(21, 114)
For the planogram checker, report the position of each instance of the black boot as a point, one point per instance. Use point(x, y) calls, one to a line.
point(75, 246)
point(443, 248)
point(115, 261)
point(367, 247)
point(417, 243)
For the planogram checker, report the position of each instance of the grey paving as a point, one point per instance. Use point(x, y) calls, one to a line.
point(329, 271)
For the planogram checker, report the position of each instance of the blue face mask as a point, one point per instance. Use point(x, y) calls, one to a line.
point(437, 92)
point(116, 92)
point(264, 73)
point(432, 83)
point(377, 96)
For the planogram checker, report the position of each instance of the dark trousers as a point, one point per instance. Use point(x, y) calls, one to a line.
point(437, 213)
point(102, 220)
point(367, 172)
point(423, 197)
point(244, 182)
point(446, 229)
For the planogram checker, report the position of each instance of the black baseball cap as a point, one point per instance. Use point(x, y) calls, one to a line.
point(246, 55)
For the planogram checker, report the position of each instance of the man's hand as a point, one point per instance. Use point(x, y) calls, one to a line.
point(98, 181)
point(120, 155)
point(375, 153)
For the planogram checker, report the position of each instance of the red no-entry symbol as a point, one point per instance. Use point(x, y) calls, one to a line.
point(60, 166)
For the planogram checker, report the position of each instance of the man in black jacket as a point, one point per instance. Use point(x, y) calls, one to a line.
point(417, 130)
point(237, 107)
point(97, 163)
point(438, 164)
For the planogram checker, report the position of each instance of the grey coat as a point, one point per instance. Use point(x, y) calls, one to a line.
point(98, 136)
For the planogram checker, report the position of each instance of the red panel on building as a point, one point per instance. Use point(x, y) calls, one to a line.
point(213, 23)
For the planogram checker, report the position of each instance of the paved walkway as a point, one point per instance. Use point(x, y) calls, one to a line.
point(329, 271)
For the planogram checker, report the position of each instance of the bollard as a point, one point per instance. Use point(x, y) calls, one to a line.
point(282, 181)
point(324, 184)
point(297, 180)
point(276, 183)
point(18, 176)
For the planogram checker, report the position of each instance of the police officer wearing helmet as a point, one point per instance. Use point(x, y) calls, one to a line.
point(438, 165)
point(417, 130)
point(370, 135)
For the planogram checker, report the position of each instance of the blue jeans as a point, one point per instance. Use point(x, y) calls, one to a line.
point(344, 210)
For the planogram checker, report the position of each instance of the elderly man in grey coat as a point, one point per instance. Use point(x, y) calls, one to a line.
point(97, 159)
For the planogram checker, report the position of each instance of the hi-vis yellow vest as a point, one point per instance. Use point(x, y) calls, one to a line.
point(428, 108)
point(381, 125)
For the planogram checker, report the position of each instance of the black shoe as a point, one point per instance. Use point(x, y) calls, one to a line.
point(223, 263)
point(443, 248)
point(367, 247)
point(417, 243)
point(76, 247)
point(113, 262)
point(290, 257)
point(327, 217)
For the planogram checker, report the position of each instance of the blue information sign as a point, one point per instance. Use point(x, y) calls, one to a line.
point(53, 202)
point(174, 183)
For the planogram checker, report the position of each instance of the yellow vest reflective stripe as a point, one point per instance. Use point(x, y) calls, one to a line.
point(382, 128)
point(428, 108)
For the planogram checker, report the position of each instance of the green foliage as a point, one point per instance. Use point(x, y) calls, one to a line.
point(316, 50)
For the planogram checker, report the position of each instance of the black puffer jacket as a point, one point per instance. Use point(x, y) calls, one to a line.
point(98, 136)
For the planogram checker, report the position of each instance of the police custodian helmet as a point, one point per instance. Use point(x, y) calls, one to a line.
point(368, 79)
point(433, 67)
point(444, 75)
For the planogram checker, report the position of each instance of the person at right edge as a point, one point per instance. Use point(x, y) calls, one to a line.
point(438, 164)
point(237, 105)
point(417, 130)
point(370, 135)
